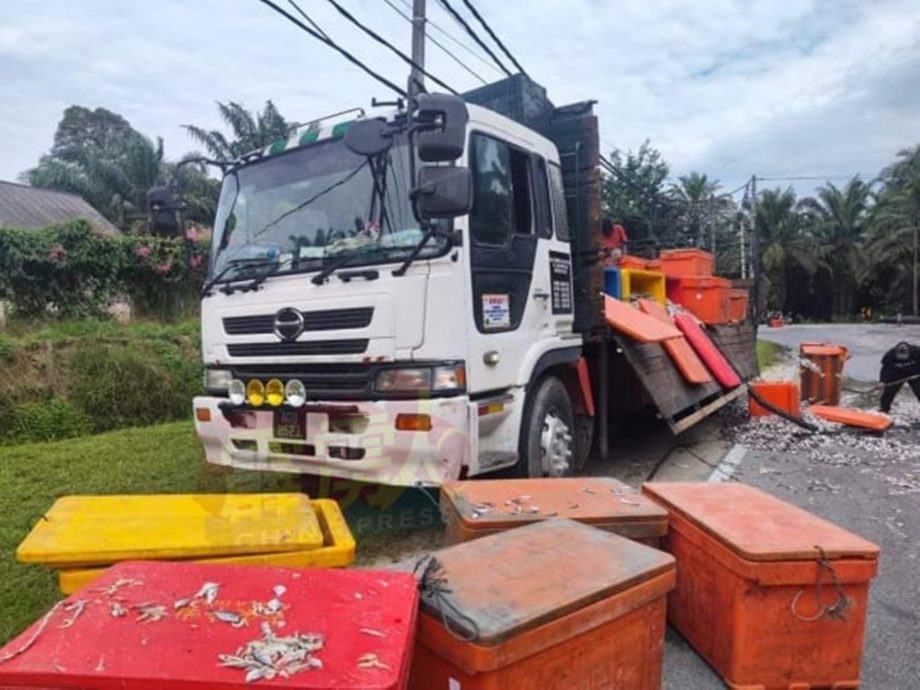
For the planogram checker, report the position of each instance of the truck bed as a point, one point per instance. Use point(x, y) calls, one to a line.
point(680, 404)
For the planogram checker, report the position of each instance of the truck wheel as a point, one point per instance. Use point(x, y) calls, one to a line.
point(547, 445)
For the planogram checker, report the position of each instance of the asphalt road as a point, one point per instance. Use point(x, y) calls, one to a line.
point(866, 342)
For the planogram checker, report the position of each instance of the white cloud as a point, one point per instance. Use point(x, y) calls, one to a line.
point(727, 87)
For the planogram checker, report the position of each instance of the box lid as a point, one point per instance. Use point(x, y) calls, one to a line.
point(756, 525)
point(822, 349)
point(511, 582)
point(493, 504)
point(358, 612)
point(99, 530)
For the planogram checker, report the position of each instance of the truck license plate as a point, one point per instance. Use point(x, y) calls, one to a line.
point(290, 425)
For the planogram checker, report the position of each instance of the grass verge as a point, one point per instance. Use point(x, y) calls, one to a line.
point(159, 459)
point(768, 354)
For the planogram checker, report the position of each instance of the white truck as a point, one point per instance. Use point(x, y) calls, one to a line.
point(414, 297)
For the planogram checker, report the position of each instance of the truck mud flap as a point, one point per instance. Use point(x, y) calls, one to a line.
point(679, 403)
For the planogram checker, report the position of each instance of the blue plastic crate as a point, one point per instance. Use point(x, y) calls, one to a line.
point(612, 284)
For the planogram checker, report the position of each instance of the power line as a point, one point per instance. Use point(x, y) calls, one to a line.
point(462, 22)
point(308, 18)
point(453, 39)
point(329, 42)
point(382, 41)
point(437, 43)
point(793, 178)
point(485, 25)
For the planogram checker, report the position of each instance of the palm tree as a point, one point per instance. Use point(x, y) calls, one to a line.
point(837, 219)
point(784, 246)
point(693, 195)
point(887, 275)
point(249, 131)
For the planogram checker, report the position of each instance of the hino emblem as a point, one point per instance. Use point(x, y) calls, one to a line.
point(288, 324)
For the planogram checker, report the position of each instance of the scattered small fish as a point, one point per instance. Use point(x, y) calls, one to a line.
point(372, 632)
point(183, 603)
point(234, 619)
point(118, 611)
point(208, 592)
point(151, 614)
point(271, 656)
point(279, 590)
point(118, 584)
point(370, 660)
point(359, 596)
point(76, 609)
point(274, 606)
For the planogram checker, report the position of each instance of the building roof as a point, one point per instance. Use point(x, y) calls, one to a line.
point(29, 207)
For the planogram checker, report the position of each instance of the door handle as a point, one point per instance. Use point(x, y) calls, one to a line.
point(539, 294)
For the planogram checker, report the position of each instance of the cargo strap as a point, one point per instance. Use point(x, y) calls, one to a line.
point(837, 610)
point(433, 586)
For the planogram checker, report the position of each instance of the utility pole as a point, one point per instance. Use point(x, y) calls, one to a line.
point(755, 254)
point(416, 78)
point(712, 229)
point(916, 230)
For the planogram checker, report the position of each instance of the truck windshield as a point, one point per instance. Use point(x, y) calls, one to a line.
point(298, 209)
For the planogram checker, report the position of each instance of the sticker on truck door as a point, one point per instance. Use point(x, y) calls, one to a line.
point(560, 278)
point(496, 311)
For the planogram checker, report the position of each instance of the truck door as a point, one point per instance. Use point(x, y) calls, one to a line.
point(512, 247)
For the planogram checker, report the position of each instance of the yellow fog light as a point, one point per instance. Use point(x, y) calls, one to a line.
point(274, 392)
point(255, 393)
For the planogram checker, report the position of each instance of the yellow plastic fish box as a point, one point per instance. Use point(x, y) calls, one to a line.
point(636, 283)
point(100, 530)
point(338, 551)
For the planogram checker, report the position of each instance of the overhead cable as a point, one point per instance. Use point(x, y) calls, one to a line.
point(382, 41)
point(462, 22)
point(329, 42)
point(436, 42)
point(485, 25)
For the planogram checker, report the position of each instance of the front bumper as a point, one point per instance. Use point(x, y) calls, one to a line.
point(387, 455)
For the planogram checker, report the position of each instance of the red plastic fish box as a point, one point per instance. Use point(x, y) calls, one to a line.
point(367, 620)
point(757, 587)
point(556, 605)
point(480, 507)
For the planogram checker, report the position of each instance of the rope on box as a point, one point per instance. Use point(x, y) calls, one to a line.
point(837, 610)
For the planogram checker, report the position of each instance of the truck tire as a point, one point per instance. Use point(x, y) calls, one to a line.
point(547, 434)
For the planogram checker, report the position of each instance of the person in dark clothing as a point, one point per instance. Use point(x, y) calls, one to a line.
point(899, 363)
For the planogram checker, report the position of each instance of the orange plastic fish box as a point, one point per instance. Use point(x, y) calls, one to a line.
point(686, 262)
point(632, 262)
point(481, 507)
point(782, 394)
point(769, 594)
point(821, 372)
point(556, 605)
point(706, 298)
point(737, 304)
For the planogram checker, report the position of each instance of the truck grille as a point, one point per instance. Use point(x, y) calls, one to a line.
point(310, 347)
point(326, 320)
point(334, 381)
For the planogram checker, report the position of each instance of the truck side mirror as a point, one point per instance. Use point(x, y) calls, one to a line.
point(442, 119)
point(369, 138)
point(444, 192)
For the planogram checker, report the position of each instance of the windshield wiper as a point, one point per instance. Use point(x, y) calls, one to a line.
point(432, 231)
point(339, 262)
point(234, 263)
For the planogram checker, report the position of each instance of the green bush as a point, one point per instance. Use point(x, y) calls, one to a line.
point(7, 348)
point(69, 270)
point(46, 420)
point(134, 384)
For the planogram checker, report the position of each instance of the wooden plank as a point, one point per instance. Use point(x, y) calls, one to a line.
point(686, 422)
point(737, 343)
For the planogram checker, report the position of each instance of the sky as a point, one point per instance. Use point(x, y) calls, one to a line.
point(776, 89)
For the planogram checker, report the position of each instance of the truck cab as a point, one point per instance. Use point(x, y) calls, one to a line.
point(389, 313)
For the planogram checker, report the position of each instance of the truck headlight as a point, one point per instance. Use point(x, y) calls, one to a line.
point(217, 380)
point(441, 379)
